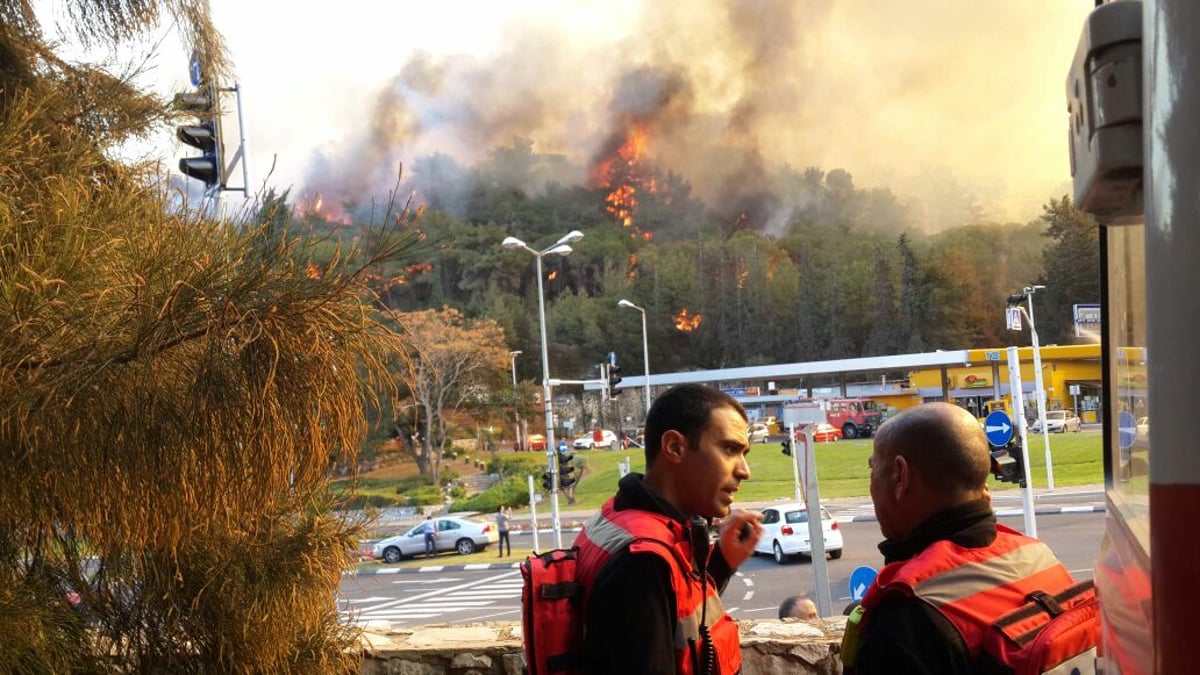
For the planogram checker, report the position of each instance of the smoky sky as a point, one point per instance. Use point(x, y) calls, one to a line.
point(927, 98)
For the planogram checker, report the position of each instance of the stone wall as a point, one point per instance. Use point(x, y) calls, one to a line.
point(768, 646)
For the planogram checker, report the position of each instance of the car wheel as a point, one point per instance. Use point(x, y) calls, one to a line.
point(392, 554)
point(612, 445)
point(835, 554)
point(780, 557)
point(465, 547)
point(850, 431)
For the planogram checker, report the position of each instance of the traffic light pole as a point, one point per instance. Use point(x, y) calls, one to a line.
point(533, 515)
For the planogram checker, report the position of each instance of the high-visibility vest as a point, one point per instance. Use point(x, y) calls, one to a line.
point(972, 587)
point(611, 531)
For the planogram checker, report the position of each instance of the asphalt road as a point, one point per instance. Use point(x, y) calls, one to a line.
point(460, 596)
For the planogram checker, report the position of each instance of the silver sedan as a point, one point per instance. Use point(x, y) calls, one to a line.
point(454, 533)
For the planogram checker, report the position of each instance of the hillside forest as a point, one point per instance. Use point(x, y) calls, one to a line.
point(805, 266)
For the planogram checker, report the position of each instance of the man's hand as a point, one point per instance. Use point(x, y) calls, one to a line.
point(738, 534)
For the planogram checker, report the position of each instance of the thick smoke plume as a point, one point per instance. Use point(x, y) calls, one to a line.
point(956, 107)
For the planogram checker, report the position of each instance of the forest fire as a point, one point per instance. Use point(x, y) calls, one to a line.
point(316, 207)
point(686, 322)
point(553, 275)
point(622, 171)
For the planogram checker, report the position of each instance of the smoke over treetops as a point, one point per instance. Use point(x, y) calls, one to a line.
point(953, 106)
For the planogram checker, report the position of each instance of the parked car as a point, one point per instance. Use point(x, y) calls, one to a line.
point(535, 442)
point(1057, 422)
point(464, 535)
point(758, 432)
point(785, 532)
point(824, 433)
point(588, 441)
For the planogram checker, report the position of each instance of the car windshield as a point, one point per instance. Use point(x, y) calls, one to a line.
point(799, 517)
point(1056, 414)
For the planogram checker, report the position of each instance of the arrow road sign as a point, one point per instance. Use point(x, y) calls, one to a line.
point(999, 429)
point(1127, 429)
point(860, 580)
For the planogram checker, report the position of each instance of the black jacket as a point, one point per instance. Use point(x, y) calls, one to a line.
point(630, 619)
point(907, 635)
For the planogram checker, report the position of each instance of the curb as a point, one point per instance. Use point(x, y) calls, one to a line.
point(1007, 512)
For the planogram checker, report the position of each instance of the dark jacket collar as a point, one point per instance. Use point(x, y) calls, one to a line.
point(971, 525)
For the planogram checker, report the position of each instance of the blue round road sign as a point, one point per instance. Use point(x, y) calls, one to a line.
point(1126, 429)
point(999, 428)
point(860, 580)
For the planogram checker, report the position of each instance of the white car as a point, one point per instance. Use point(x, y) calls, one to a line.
point(785, 532)
point(588, 441)
point(464, 535)
point(1057, 422)
point(758, 432)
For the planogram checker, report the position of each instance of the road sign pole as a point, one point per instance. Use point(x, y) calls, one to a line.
point(795, 463)
point(816, 530)
point(1018, 403)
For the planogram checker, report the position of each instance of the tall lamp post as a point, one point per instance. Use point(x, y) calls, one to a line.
point(512, 355)
point(1039, 393)
point(560, 247)
point(645, 349)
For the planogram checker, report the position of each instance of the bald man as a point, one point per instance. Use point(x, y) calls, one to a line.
point(950, 570)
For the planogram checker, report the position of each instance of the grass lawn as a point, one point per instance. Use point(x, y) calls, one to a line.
point(842, 468)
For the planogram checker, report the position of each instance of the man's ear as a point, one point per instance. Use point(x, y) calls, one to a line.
point(902, 477)
point(673, 447)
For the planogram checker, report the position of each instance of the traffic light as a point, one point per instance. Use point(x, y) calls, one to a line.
point(614, 378)
point(1007, 466)
point(787, 446)
point(547, 481)
point(204, 135)
point(565, 469)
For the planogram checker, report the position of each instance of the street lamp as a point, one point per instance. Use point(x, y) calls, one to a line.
point(645, 350)
point(560, 247)
point(1014, 301)
point(512, 355)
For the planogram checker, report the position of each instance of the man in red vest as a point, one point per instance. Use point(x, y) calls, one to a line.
point(950, 570)
point(651, 576)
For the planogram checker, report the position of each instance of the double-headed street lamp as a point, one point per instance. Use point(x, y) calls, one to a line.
point(560, 247)
point(645, 349)
point(1014, 301)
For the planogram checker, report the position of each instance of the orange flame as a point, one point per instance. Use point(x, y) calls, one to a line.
point(742, 274)
point(631, 276)
point(312, 271)
point(622, 172)
point(553, 275)
point(686, 322)
point(317, 205)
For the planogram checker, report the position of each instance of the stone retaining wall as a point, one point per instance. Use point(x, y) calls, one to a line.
point(768, 647)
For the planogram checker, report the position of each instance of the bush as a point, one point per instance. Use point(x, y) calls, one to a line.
point(425, 495)
point(358, 502)
point(508, 492)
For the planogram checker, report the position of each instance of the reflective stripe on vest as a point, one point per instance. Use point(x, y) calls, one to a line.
point(610, 531)
point(972, 587)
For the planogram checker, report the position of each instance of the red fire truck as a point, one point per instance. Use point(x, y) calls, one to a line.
point(856, 417)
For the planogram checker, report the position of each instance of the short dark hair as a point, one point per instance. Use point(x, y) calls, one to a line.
point(686, 408)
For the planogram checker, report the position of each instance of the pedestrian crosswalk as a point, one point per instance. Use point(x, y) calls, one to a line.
point(438, 597)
